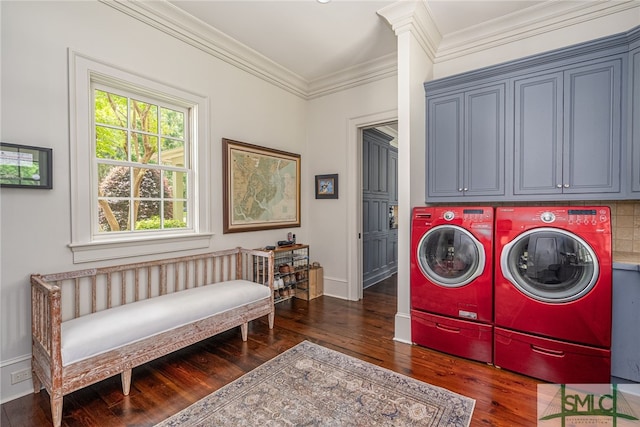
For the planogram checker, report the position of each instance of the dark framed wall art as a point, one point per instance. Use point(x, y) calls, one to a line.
point(327, 186)
point(24, 166)
point(261, 187)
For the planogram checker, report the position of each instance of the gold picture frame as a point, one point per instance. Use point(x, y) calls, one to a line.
point(261, 187)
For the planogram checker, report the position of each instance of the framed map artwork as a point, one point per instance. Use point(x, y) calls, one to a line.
point(261, 187)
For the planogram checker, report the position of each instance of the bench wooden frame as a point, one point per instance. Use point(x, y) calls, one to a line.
point(91, 290)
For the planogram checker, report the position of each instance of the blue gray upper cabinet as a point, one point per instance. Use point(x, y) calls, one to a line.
point(562, 125)
point(634, 120)
point(567, 130)
point(465, 151)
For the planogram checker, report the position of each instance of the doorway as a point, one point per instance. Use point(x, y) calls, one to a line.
point(379, 180)
point(354, 203)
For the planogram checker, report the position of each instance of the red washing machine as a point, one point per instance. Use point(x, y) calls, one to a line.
point(553, 292)
point(452, 280)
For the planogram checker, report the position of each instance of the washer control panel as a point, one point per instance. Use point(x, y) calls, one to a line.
point(547, 217)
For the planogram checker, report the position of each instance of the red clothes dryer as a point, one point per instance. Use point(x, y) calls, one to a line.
point(452, 280)
point(553, 292)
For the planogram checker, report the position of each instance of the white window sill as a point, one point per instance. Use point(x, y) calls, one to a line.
point(100, 251)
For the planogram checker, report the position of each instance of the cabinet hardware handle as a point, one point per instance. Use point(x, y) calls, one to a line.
point(459, 189)
point(447, 328)
point(466, 189)
point(566, 186)
point(547, 351)
point(559, 185)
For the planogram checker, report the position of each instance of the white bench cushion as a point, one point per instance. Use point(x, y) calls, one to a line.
point(106, 330)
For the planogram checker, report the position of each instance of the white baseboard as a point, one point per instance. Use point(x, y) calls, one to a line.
point(336, 288)
point(8, 391)
point(403, 328)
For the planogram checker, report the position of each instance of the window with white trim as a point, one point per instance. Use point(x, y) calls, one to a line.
point(140, 181)
point(142, 165)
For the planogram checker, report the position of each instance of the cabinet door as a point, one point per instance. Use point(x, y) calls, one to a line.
point(444, 146)
point(392, 251)
point(375, 240)
point(484, 141)
point(538, 134)
point(634, 118)
point(592, 128)
point(393, 176)
point(376, 167)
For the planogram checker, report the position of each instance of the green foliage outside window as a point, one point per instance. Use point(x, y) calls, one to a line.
point(131, 133)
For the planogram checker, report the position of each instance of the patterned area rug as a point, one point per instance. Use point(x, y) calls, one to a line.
point(310, 385)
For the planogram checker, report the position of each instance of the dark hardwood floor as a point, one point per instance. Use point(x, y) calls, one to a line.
point(362, 329)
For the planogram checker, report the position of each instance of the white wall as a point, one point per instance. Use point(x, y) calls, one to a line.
point(330, 147)
point(35, 224)
point(531, 40)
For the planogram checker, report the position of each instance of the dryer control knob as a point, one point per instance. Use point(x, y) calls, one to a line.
point(448, 215)
point(547, 217)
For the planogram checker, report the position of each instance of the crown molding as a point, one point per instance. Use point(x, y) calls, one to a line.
point(615, 44)
point(172, 20)
point(403, 16)
point(380, 68)
point(414, 17)
point(527, 23)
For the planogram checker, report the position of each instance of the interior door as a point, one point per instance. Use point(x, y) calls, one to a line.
point(379, 241)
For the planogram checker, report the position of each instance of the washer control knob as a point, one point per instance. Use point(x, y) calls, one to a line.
point(547, 217)
point(448, 215)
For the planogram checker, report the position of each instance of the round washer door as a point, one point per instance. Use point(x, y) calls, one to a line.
point(550, 265)
point(450, 256)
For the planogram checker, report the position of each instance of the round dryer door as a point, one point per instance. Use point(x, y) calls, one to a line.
point(550, 265)
point(450, 256)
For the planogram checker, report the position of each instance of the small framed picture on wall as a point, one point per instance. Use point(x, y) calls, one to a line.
point(327, 186)
point(24, 166)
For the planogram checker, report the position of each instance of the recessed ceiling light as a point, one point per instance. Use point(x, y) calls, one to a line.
point(323, 1)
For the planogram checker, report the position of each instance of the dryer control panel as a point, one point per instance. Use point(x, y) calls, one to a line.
point(588, 219)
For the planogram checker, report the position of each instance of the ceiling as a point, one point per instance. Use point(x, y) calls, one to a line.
point(315, 40)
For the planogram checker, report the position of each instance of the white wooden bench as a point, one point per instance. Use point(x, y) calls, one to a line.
point(91, 324)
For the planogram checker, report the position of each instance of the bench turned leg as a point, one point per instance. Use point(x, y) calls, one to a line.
point(126, 382)
point(37, 384)
point(56, 411)
point(244, 329)
point(272, 317)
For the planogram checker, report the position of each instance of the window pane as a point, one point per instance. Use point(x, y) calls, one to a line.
point(172, 123)
point(114, 181)
point(144, 148)
point(111, 143)
point(144, 116)
point(148, 215)
point(174, 215)
point(149, 183)
point(137, 140)
point(113, 215)
point(175, 184)
point(110, 109)
point(172, 152)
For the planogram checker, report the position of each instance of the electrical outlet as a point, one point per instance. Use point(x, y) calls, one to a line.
point(19, 376)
